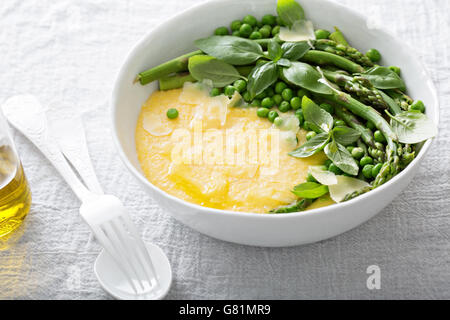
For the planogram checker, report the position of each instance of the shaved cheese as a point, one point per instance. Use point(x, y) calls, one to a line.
point(156, 125)
point(322, 175)
point(193, 93)
point(301, 30)
point(345, 186)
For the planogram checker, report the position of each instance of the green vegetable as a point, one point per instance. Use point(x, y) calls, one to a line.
point(235, 25)
point(265, 32)
point(278, 121)
point(255, 35)
point(326, 58)
point(284, 106)
point(305, 76)
point(384, 78)
point(353, 122)
point(338, 37)
point(312, 146)
point(219, 72)
point(277, 99)
point(267, 103)
point(322, 34)
point(339, 123)
point(262, 77)
point(275, 31)
point(233, 50)
point(412, 127)
point(269, 19)
point(280, 86)
point(310, 135)
point(262, 112)
point(245, 30)
point(379, 136)
point(215, 92)
point(296, 206)
point(365, 160)
point(357, 153)
point(287, 94)
point(310, 178)
point(334, 168)
point(272, 115)
point(341, 158)
point(316, 115)
point(345, 135)
point(374, 55)
point(327, 107)
point(256, 103)
point(310, 190)
point(175, 81)
point(251, 20)
point(221, 31)
point(343, 51)
point(290, 11)
point(367, 171)
point(418, 105)
point(295, 50)
point(274, 50)
point(175, 65)
point(172, 113)
point(229, 90)
point(240, 85)
point(395, 69)
point(296, 103)
point(376, 169)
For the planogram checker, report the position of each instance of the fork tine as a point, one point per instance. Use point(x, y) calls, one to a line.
point(124, 255)
point(143, 252)
point(103, 239)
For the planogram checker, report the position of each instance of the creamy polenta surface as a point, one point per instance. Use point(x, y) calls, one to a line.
point(220, 156)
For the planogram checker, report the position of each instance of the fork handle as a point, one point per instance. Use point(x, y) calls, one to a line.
point(26, 114)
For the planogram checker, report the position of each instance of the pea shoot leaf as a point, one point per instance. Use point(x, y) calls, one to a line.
point(340, 156)
point(305, 76)
point(209, 68)
point(310, 190)
point(262, 77)
point(345, 135)
point(412, 127)
point(234, 50)
point(317, 116)
point(312, 146)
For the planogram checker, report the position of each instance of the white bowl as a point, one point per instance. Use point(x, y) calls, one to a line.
point(175, 37)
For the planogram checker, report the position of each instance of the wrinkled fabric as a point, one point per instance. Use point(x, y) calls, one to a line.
point(69, 52)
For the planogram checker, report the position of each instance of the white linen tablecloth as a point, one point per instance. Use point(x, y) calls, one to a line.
point(69, 51)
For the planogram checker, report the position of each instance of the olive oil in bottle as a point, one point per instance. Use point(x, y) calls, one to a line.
point(15, 196)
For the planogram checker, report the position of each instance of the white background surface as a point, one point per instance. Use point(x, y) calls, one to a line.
point(69, 52)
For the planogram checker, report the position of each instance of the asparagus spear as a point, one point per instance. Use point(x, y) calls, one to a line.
point(338, 36)
point(326, 58)
point(296, 206)
point(353, 122)
point(403, 100)
point(344, 51)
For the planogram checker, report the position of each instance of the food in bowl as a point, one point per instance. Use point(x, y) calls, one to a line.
point(339, 124)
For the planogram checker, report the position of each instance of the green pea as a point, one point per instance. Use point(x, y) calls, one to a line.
point(260, 62)
point(229, 90)
point(300, 117)
point(267, 103)
point(379, 137)
point(374, 55)
point(296, 103)
point(306, 126)
point(269, 92)
point(287, 94)
point(259, 24)
point(322, 34)
point(245, 30)
point(262, 112)
point(275, 30)
point(367, 171)
point(215, 92)
point(272, 115)
point(247, 96)
point(395, 69)
point(172, 113)
point(365, 160)
point(418, 105)
point(301, 93)
point(327, 107)
point(269, 19)
point(310, 178)
point(236, 33)
point(376, 169)
point(221, 31)
point(277, 99)
point(235, 25)
point(280, 86)
point(251, 20)
point(267, 27)
point(357, 153)
point(256, 102)
point(350, 148)
point(310, 135)
point(335, 169)
point(240, 85)
point(284, 106)
point(278, 121)
point(370, 125)
point(261, 95)
point(327, 163)
point(255, 35)
point(265, 32)
point(339, 123)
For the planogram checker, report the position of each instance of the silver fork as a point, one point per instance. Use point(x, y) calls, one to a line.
point(105, 214)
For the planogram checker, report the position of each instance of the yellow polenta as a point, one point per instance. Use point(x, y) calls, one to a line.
point(219, 156)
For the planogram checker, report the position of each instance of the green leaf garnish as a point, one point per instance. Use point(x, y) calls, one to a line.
point(310, 190)
point(305, 76)
point(384, 78)
point(290, 11)
point(262, 77)
point(274, 50)
point(295, 50)
point(412, 127)
point(311, 146)
point(345, 135)
point(209, 68)
point(316, 115)
point(234, 50)
point(340, 156)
